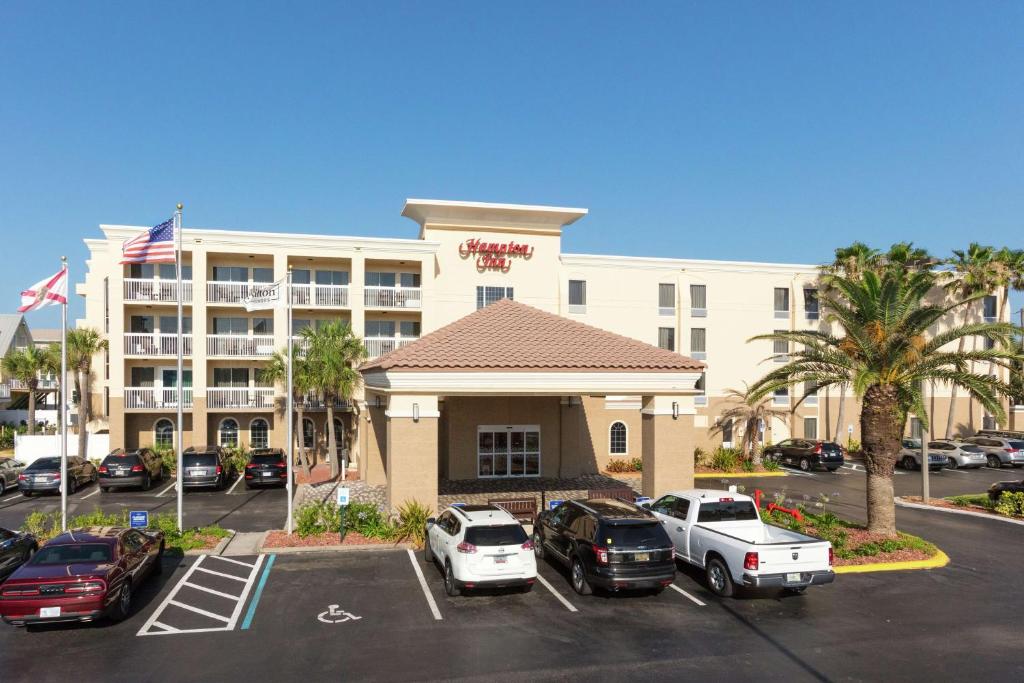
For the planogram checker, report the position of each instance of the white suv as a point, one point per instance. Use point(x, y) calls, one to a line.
point(480, 546)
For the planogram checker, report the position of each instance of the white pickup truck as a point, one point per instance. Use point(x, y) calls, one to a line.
point(722, 532)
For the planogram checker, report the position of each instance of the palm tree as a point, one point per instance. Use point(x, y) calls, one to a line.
point(83, 344)
point(975, 273)
point(26, 365)
point(884, 352)
point(276, 371)
point(334, 353)
point(749, 412)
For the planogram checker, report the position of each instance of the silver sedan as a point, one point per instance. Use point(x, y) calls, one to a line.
point(959, 454)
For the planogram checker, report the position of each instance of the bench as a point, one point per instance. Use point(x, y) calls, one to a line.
point(523, 509)
point(625, 493)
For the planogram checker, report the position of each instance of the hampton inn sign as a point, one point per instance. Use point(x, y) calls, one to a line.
point(494, 255)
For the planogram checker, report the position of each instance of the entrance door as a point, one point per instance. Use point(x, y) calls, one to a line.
point(508, 451)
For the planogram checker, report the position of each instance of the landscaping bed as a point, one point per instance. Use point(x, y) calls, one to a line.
point(1010, 505)
point(281, 539)
point(47, 525)
point(317, 524)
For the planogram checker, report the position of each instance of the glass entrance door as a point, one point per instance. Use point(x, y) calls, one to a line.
point(508, 451)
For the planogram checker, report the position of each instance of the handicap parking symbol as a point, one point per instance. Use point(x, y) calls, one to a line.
point(333, 615)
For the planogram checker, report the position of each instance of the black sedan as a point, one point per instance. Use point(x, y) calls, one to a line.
point(130, 468)
point(16, 548)
point(266, 467)
point(43, 475)
point(999, 487)
point(807, 454)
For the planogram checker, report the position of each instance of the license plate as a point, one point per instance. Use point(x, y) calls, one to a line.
point(793, 578)
point(641, 557)
point(197, 472)
point(500, 559)
point(49, 611)
point(41, 480)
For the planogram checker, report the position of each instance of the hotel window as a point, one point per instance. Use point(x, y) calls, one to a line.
point(811, 309)
point(990, 309)
point(379, 328)
point(781, 397)
point(300, 324)
point(259, 433)
point(143, 377)
point(698, 301)
point(780, 347)
point(106, 363)
point(262, 274)
point(141, 324)
point(239, 326)
point(485, 296)
point(332, 277)
point(227, 433)
point(142, 271)
point(989, 343)
point(698, 343)
point(308, 433)
point(810, 428)
point(409, 279)
point(727, 432)
point(988, 422)
point(915, 428)
point(228, 378)
point(617, 438)
point(375, 278)
point(666, 298)
point(781, 302)
point(701, 386)
point(667, 338)
point(263, 326)
point(230, 274)
point(409, 328)
point(508, 451)
point(106, 304)
point(169, 324)
point(163, 434)
point(300, 276)
point(810, 394)
point(167, 271)
point(577, 296)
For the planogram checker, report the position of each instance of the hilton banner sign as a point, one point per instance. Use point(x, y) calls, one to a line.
point(494, 255)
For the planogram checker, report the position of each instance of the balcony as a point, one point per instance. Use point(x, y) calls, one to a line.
point(149, 344)
point(314, 402)
point(157, 291)
point(392, 297)
point(378, 346)
point(229, 292)
point(240, 346)
point(44, 384)
point(154, 398)
point(320, 296)
point(5, 391)
point(249, 398)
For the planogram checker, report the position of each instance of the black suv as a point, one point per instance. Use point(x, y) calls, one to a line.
point(43, 475)
point(606, 543)
point(266, 467)
point(205, 467)
point(130, 468)
point(807, 454)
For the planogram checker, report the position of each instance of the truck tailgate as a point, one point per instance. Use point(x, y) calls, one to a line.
point(806, 556)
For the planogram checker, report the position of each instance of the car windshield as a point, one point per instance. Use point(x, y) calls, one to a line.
point(968, 448)
point(267, 460)
point(727, 511)
point(70, 554)
point(912, 443)
point(506, 534)
point(121, 459)
point(45, 464)
point(1017, 444)
point(200, 459)
point(646, 534)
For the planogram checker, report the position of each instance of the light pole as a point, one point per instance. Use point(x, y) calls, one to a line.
point(925, 492)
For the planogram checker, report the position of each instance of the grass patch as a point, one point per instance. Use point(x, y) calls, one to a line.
point(972, 499)
point(46, 525)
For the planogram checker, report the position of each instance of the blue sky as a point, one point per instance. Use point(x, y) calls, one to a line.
point(762, 131)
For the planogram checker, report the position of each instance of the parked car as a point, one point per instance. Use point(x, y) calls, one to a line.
point(205, 467)
point(43, 475)
point(910, 456)
point(722, 532)
point(997, 489)
point(82, 575)
point(607, 544)
point(139, 467)
point(480, 546)
point(807, 454)
point(266, 466)
point(16, 548)
point(1000, 450)
point(958, 454)
point(9, 471)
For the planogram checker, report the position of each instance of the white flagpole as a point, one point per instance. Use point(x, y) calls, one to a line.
point(180, 399)
point(62, 387)
point(288, 410)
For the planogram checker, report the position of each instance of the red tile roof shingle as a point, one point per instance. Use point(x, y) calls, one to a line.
point(511, 336)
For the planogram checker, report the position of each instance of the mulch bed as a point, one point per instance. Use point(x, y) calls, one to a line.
point(858, 537)
point(280, 539)
point(209, 542)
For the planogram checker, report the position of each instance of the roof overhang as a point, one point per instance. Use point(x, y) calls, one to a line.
point(519, 383)
point(446, 213)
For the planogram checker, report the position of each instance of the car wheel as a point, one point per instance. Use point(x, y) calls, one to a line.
point(908, 463)
point(428, 554)
point(158, 564)
point(123, 605)
point(719, 579)
point(538, 545)
point(27, 494)
point(805, 465)
point(526, 589)
point(794, 591)
point(451, 587)
point(147, 483)
point(105, 489)
point(72, 486)
point(993, 462)
point(951, 463)
point(3, 487)
point(579, 578)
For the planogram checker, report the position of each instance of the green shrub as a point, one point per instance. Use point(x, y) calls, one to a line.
point(747, 465)
point(318, 518)
point(637, 464)
point(412, 522)
point(853, 446)
point(700, 457)
point(1011, 504)
point(770, 465)
point(725, 459)
point(632, 465)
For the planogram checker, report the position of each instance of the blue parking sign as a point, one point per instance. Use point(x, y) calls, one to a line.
point(552, 504)
point(138, 519)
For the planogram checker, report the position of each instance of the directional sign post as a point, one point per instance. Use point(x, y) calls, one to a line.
point(138, 519)
point(343, 494)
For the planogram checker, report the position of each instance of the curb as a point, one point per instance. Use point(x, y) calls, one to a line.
point(969, 513)
point(727, 475)
point(216, 550)
point(336, 548)
point(939, 559)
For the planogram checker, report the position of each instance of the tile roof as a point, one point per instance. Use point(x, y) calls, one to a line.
point(511, 336)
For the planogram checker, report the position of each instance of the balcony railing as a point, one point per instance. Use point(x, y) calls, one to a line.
point(5, 391)
point(228, 292)
point(238, 345)
point(153, 398)
point(378, 346)
point(43, 383)
point(156, 344)
point(320, 296)
point(392, 297)
point(314, 402)
point(242, 397)
point(155, 290)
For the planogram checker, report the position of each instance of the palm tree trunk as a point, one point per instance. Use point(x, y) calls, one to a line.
point(332, 439)
point(842, 413)
point(83, 417)
point(31, 408)
point(952, 396)
point(880, 423)
point(301, 435)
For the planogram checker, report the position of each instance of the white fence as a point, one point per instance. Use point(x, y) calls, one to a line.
point(28, 448)
point(16, 417)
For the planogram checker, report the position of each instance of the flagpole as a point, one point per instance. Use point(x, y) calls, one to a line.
point(288, 410)
point(62, 388)
point(180, 399)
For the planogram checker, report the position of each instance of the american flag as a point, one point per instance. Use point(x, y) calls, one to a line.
point(156, 245)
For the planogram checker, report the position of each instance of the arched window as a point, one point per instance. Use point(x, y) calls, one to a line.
point(227, 433)
point(259, 433)
point(617, 438)
point(308, 433)
point(163, 433)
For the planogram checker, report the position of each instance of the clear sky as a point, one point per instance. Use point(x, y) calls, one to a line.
point(762, 131)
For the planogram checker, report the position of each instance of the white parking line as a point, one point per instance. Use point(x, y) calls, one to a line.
point(237, 482)
point(687, 595)
point(955, 471)
point(423, 584)
point(91, 494)
point(190, 608)
point(165, 490)
point(568, 605)
point(11, 498)
point(228, 559)
point(226, 576)
point(211, 591)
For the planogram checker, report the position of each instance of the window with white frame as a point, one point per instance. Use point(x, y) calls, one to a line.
point(698, 301)
point(617, 438)
point(666, 298)
point(508, 451)
point(780, 347)
point(810, 428)
point(308, 433)
point(781, 302)
point(698, 343)
point(667, 338)
point(577, 296)
point(485, 296)
point(701, 386)
point(811, 308)
point(727, 432)
point(781, 396)
point(227, 433)
point(990, 309)
point(810, 394)
point(163, 434)
point(259, 433)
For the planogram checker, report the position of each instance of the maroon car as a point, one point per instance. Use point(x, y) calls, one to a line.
point(81, 575)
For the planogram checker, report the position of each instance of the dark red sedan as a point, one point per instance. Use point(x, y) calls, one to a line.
point(82, 575)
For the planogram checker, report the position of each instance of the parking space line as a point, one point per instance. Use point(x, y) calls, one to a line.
point(256, 596)
point(11, 498)
point(687, 595)
point(173, 484)
point(568, 605)
point(91, 494)
point(237, 482)
point(170, 596)
point(165, 627)
point(226, 576)
point(228, 559)
point(190, 608)
point(423, 584)
point(211, 591)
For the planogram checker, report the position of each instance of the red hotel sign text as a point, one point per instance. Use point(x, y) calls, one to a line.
point(494, 255)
